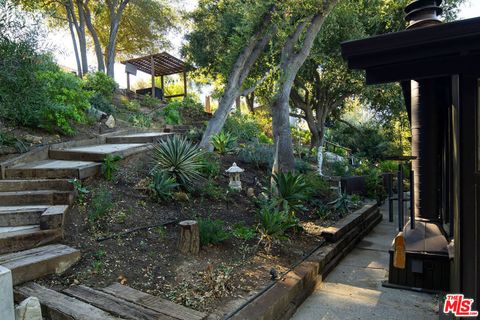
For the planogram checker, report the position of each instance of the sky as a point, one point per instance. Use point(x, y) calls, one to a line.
point(63, 48)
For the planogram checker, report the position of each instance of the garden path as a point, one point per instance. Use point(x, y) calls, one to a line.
point(353, 290)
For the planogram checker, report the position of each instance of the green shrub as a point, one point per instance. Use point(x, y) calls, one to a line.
point(302, 166)
point(290, 190)
point(171, 113)
point(7, 139)
point(140, 120)
point(133, 105)
point(101, 84)
point(212, 190)
point(150, 102)
point(388, 166)
point(243, 127)
point(162, 186)
point(81, 190)
point(374, 186)
point(241, 231)
point(210, 165)
point(258, 154)
point(212, 231)
point(223, 142)
point(100, 205)
point(317, 185)
point(322, 210)
point(99, 102)
point(342, 204)
point(67, 101)
point(273, 223)
point(110, 166)
point(178, 158)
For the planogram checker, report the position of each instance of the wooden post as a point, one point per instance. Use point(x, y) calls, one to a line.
point(152, 62)
point(185, 83)
point(163, 83)
point(128, 81)
point(189, 243)
point(208, 107)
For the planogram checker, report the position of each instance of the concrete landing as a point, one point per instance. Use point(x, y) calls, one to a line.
point(353, 290)
point(97, 152)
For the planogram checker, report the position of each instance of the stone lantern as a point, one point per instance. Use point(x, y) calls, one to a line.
point(234, 174)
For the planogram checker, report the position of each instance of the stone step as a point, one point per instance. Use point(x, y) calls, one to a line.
point(54, 169)
point(14, 216)
point(26, 237)
point(51, 197)
point(97, 152)
point(38, 184)
point(38, 262)
point(160, 305)
point(116, 306)
point(56, 305)
point(146, 137)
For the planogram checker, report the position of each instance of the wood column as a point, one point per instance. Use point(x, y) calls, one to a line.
point(152, 62)
point(185, 83)
point(128, 81)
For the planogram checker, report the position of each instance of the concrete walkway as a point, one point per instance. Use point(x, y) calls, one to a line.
point(353, 290)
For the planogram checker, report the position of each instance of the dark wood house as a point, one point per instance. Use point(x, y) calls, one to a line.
point(438, 65)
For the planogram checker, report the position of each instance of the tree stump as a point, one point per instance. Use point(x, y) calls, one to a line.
point(189, 237)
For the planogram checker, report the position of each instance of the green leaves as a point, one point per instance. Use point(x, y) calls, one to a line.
point(162, 185)
point(212, 231)
point(110, 166)
point(178, 158)
point(289, 190)
point(223, 142)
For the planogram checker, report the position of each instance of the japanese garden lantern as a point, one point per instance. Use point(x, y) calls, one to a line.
point(234, 174)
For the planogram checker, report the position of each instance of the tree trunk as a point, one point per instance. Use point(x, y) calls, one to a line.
point(189, 243)
point(239, 73)
point(96, 40)
point(115, 16)
point(250, 99)
point(82, 40)
point(74, 41)
point(290, 62)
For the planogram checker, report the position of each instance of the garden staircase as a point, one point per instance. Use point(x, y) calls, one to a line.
point(35, 195)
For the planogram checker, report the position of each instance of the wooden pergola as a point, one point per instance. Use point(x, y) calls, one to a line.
point(157, 65)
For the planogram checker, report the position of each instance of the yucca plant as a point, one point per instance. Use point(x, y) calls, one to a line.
point(178, 158)
point(290, 190)
point(223, 142)
point(163, 185)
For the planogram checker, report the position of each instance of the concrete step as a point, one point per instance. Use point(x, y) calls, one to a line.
point(97, 152)
point(146, 137)
point(54, 169)
point(37, 184)
point(42, 197)
point(26, 237)
point(38, 262)
point(56, 305)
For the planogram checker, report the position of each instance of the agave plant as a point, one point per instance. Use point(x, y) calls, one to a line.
point(273, 223)
point(163, 185)
point(178, 158)
point(223, 142)
point(290, 190)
